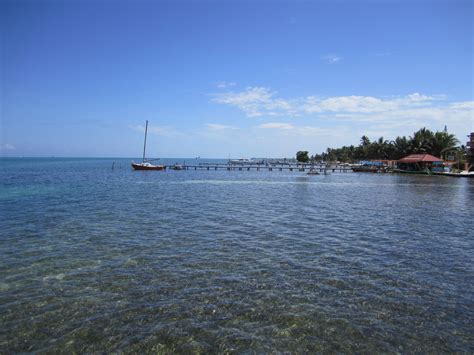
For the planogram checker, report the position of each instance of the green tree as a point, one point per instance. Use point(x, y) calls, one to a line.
point(442, 143)
point(331, 154)
point(422, 141)
point(378, 149)
point(439, 144)
point(364, 141)
point(401, 148)
point(302, 156)
point(365, 146)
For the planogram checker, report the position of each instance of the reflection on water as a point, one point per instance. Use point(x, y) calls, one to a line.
point(95, 260)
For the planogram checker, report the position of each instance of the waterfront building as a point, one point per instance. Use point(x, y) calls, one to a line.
point(420, 163)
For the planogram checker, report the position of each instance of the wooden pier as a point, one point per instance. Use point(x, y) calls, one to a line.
point(321, 168)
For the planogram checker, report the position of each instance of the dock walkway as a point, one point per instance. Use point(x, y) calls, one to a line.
point(266, 167)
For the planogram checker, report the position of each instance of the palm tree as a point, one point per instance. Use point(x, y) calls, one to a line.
point(364, 141)
point(442, 143)
point(365, 146)
point(382, 148)
point(351, 152)
point(401, 147)
point(421, 141)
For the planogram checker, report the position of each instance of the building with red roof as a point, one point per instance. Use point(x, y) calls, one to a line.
point(420, 158)
point(420, 164)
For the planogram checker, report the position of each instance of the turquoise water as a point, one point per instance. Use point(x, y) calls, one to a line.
point(100, 260)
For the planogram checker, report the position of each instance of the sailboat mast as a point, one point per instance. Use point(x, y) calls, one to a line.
point(144, 144)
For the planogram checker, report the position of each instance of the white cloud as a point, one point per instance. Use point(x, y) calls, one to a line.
point(404, 113)
point(466, 105)
point(276, 125)
point(225, 84)
point(331, 58)
point(318, 131)
point(219, 127)
point(417, 97)
point(365, 104)
point(301, 131)
point(254, 101)
point(261, 101)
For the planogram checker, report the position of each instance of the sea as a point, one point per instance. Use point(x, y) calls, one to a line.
point(98, 258)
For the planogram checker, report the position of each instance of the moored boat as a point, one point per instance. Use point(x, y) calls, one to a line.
point(466, 174)
point(145, 164)
point(365, 169)
point(370, 167)
point(177, 167)
point(414, 172)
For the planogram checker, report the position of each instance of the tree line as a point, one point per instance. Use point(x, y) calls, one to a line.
point(440, 144)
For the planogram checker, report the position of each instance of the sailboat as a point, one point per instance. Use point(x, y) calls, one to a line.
point(145, 164)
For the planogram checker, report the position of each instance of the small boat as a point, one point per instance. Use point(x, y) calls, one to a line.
point(145, 164)
point(465, 174)
point(241, 161)
point(365, 169)
point(312, 171)
point(369, 167)
point(424, 171)
point(177, 167)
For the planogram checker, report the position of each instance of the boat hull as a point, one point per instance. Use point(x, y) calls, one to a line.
point(365, 170)
point(137, 166)
point(413, 172)
point(465, 175)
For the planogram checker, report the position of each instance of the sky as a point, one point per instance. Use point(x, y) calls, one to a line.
point(221, 79)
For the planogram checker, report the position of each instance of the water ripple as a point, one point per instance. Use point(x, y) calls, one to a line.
point(94, 260)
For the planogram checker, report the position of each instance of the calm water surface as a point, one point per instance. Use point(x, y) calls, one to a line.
point(99, 260)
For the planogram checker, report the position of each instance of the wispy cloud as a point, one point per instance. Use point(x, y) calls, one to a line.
point(261, 101)
point(300, 130)
point(255, 102)
point(219, 127)
point(7, 147)
point(331, 58)
point(414, 110)
point(318, 131)
point(365, 104)
point(225, 84)
point(466, 105)
point(276, 125)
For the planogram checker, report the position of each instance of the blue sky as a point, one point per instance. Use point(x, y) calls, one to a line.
point(229, 78)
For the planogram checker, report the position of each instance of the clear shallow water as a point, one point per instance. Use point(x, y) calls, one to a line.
point(95, 259)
